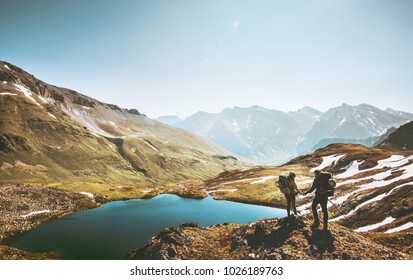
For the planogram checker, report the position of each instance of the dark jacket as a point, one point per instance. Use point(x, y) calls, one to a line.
point(315, 186)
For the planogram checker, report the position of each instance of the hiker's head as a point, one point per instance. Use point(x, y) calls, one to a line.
point(291, 175)
point(317, 172)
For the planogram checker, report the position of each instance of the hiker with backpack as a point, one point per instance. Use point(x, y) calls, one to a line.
point(289, 188)
point(324, 186)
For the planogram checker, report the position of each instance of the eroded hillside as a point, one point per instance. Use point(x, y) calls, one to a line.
point(58, 137)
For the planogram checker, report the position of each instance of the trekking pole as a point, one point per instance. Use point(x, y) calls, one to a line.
point(338, 208)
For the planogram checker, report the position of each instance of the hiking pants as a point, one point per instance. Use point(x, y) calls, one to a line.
point(290, 203)
point(322, 200)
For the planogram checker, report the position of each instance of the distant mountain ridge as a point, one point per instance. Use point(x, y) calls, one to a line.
point(267, 136)
point(169, 120)
point(350, 122)
point(272, 137)
point(400, 139)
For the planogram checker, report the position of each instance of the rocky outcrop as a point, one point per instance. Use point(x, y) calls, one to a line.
point(23, 207)
point(268, 239)
point(401, 139)
point(164, 246)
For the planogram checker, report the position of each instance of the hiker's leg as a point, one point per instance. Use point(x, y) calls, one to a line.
point(323, 203)
point(314, 208)
point(293, 204)
point(288, 205)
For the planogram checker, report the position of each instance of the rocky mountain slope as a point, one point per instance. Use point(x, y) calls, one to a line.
point(400, 139)
point(23, 207)
point(272, 137)
point(268, 239)
point(53, 135)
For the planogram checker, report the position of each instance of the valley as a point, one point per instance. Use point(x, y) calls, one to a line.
point(63, 152)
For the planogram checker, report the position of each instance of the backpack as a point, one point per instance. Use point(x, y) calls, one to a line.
point(283, 184)
point(327, 184)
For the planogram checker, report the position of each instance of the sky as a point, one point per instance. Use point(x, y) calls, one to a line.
point(178, 57)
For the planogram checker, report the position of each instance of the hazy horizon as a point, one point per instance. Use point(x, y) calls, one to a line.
point(181, 57)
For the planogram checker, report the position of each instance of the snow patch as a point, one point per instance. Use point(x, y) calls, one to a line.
point(391, 162)
point(150, 146)
point(4, 82)
point(44, 100)
point(50, 114)
point(362, 124)
point(352, 170)
point(35, 213)
point(386, 221)
point(242, 180)
point(342, 216)
point(235, 125)
point(304, 209)
point(407, 173)
point(381, 196)
point(7, 67)
point(342, 121)
point(230, 190)
point(343, 198)
point(305, 182)
point(400, 228)
point(7, 93)
point(263, 179)
point(327, 161)
point(299, 140)
point(88, 194)
point(27, 93)
point(86, 120)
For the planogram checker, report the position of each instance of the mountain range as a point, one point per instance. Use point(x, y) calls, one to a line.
point(62, 151)
point(272, 137)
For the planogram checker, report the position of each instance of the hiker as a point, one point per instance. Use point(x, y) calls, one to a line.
point(319, 198)
point(289, 188)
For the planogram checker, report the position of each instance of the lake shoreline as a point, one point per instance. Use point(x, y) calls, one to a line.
point(23, 201)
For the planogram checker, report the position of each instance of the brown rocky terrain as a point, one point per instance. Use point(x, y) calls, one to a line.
point(267, 239)
point(23, 207)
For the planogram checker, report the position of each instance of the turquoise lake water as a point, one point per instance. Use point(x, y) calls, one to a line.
point(113, 229)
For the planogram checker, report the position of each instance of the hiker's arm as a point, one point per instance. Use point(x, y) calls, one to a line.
point(314, 185)
point(295, 187)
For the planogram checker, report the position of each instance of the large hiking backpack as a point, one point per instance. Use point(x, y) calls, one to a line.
point(327, 184)
point(283, 184)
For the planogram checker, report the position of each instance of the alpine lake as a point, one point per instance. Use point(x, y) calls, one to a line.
point(113, 229)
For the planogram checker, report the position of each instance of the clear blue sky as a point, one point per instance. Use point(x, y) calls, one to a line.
point(179, 57)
